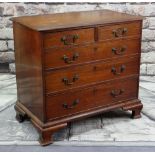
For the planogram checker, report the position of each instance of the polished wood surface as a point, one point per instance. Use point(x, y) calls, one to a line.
point(119, 31)
point(74, 55)
point(72, 102)
point(70, 69)
point(56, 39)
point(90, 73)
point(74, 19)
point(29, 69)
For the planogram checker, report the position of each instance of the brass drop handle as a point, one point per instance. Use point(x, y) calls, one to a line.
point(115, 72)
point(116, 93)
point(120, 51)
point(69, 39)
point(66, 81)
point(119, 32)
point(70, 60)
point(66, 106)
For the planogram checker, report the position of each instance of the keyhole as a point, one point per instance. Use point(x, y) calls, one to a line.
point(94, 68)
point(94, 91)
point(95, 49)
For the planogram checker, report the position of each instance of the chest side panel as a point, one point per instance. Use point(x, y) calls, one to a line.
point(29, 69)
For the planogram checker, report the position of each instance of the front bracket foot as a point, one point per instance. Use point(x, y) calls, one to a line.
point(136, 113)
point(135, 107)
point(45, 134)
point(45, 138)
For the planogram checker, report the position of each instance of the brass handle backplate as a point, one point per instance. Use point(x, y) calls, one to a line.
point(66, 106)
point(116, 92)
point(119, 51)
point(120, 32)
point(118, 72)
point(69, 39)
point(70, 60)
point(66, 81)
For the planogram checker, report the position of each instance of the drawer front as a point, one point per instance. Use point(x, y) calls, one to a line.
point(120, 31)
point(62, 57)
point(67, 38)
point(91, 73)
point(70, 103)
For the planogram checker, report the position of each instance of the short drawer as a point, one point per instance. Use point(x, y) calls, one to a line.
point(119, 31)
point(61, 57)
point(77, 76)
point(67, 38)
point(73, 102)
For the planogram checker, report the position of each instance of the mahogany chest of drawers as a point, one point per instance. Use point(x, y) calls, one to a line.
point(75, 65)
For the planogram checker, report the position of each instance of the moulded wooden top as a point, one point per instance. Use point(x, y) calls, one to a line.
point(73, 19)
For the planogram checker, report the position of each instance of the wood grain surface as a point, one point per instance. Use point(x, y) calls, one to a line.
point(98, 95)
point(74, 19)
point(90, 73)
point(75, 65)
point(97, 51)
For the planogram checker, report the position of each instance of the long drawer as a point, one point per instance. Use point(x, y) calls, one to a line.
point(61, 57)
point(119, 31)
point(73, 102)
point(71, 77)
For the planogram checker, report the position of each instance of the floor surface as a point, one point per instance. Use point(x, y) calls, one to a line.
point(76, 149)
point(111, 129)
